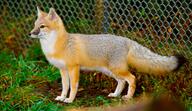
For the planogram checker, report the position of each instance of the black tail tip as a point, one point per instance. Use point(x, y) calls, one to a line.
point(180, 60)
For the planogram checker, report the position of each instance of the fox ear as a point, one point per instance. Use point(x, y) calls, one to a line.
point(39, 12)
point(52, 14)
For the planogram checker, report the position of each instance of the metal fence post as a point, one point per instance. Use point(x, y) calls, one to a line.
point(106, 16)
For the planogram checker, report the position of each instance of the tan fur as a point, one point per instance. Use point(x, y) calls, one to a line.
point(143, 65)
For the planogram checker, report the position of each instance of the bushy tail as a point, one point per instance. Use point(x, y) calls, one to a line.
point(146, 61)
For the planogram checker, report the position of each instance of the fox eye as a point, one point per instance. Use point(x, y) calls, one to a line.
point(42, 26)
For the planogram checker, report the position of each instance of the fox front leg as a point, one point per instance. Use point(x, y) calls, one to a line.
point(65, 85)
point(74, 82)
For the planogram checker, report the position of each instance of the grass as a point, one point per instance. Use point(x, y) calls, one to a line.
point(30, 83)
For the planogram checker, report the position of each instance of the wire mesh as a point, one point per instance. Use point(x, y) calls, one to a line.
point(162, 25)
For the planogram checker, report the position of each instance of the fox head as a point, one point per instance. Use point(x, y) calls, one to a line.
point(46, 23)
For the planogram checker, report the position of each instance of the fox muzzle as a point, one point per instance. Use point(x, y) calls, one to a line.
point(35, 32)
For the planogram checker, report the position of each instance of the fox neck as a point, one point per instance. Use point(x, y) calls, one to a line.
point(54, 40)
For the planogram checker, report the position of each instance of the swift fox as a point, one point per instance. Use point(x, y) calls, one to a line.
point(107, 53)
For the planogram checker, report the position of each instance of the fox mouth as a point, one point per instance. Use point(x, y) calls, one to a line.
point(39, 36)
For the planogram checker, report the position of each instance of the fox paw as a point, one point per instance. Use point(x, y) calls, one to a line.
point(68, 100)
point(112, 95)
point(59, 98)
point(126, 97)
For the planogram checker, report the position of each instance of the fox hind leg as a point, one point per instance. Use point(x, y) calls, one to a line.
point(119, 88)
point(132, 86)
point(129, 78)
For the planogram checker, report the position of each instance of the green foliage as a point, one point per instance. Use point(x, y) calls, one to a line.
point(18, 81)
point(102, 99)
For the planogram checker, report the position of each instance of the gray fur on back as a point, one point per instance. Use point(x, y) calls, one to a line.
point(106, 46)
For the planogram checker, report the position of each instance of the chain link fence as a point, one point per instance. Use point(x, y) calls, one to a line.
point(161, 25)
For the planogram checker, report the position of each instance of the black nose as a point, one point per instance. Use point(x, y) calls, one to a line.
point(29, 34)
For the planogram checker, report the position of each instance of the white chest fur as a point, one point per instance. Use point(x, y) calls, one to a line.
point(48, 47)
point(48, 42)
